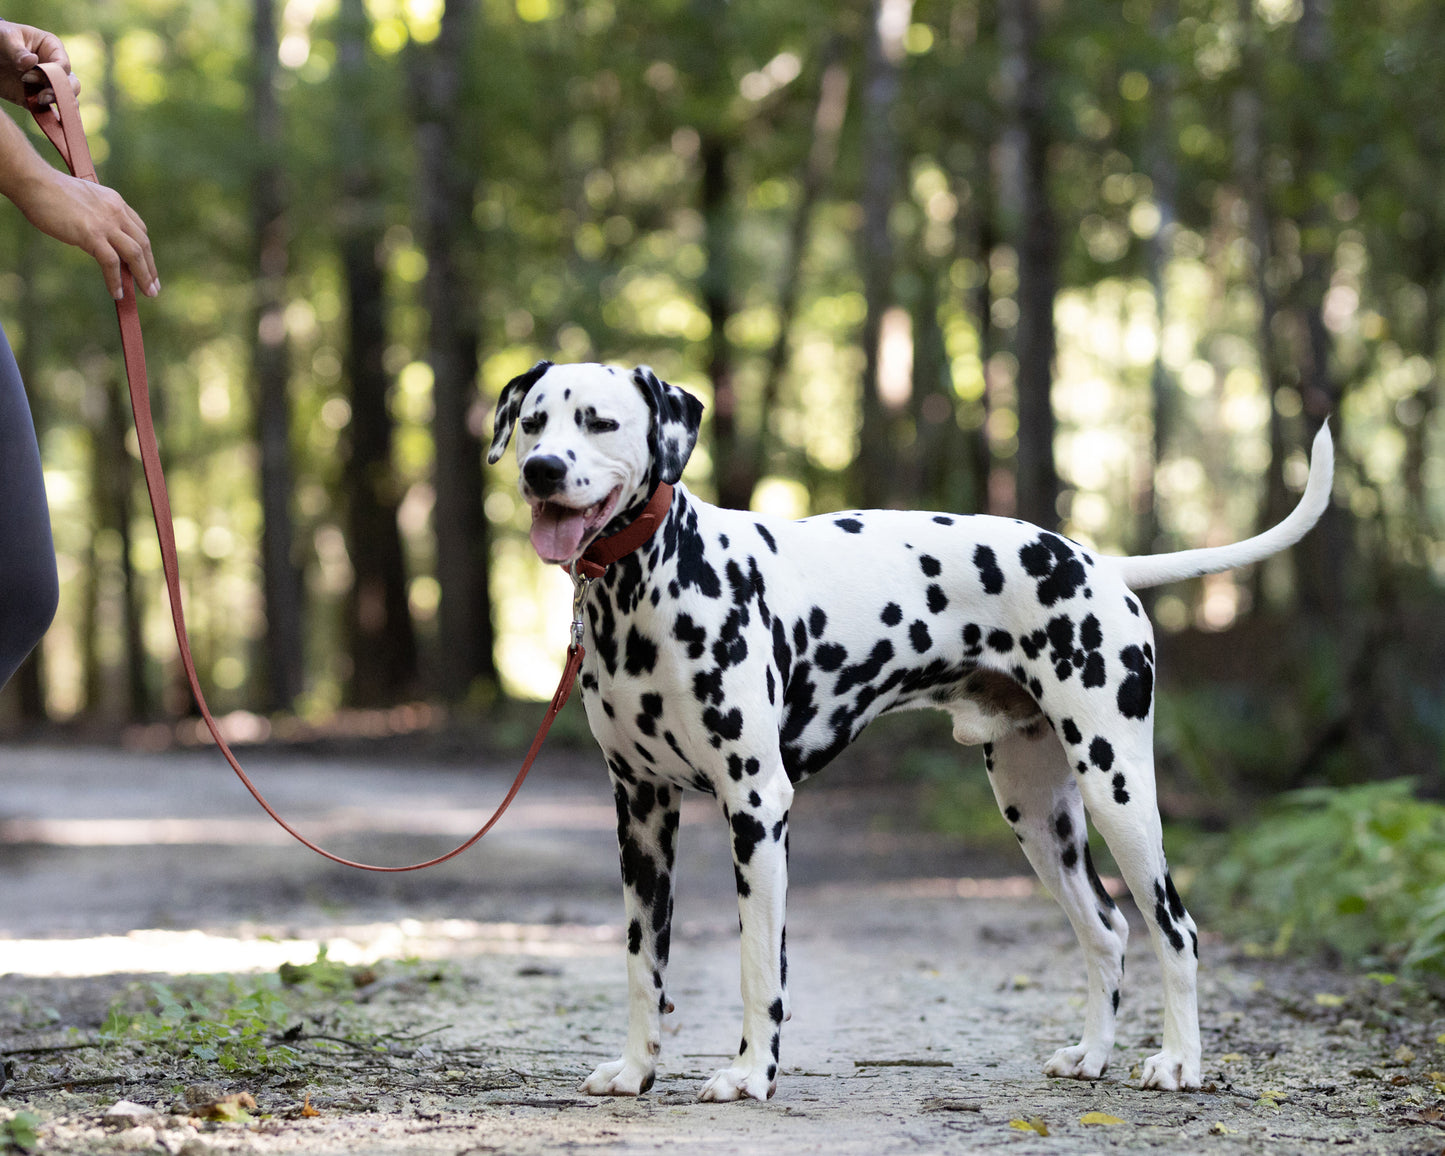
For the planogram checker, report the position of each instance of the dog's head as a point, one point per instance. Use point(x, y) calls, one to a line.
point(593, 442)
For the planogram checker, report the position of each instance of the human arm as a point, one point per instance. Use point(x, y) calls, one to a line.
point(80, 213)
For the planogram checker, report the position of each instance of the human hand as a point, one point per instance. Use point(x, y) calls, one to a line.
point(96, 219)
point(22, 50)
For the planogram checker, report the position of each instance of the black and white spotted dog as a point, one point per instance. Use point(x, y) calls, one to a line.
point(737, 654)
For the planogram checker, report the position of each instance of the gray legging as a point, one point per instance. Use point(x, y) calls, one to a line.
point(29, 586)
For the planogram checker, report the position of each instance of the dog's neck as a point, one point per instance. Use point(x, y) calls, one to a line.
point(628, 532)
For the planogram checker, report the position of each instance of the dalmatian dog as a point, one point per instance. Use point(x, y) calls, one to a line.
point(736, 654)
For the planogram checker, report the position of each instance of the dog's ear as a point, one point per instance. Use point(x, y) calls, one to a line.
point(509, 405)
point(676, 418)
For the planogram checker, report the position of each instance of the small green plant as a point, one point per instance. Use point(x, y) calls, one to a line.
point(232, 1025)
point(20, 1133)
point(325, 974)
point(1355, 871)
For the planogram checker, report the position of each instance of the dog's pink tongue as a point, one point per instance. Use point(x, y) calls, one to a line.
point(557, 532)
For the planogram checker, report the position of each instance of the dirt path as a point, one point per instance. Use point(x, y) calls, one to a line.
point(929, 985)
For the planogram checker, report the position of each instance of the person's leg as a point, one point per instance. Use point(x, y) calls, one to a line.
point(29, 586)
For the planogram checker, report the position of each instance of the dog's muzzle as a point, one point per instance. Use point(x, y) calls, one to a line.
point(544, 475)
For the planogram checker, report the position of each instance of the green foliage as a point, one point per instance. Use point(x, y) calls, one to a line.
point(19, 1133)
point(325, 974)
point(1357, 872)
point(228, 1022)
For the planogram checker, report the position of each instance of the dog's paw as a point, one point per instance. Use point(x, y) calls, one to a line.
point(619, 1078)
point(738, 1083)
point(1080, 1062)
point(1170, 1073)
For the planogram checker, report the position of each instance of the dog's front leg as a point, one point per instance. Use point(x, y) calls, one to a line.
point(647, 819)
point(757, 811)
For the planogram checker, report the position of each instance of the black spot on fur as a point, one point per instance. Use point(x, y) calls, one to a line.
point(1136, 692)
point(724, 727)
point(849, 525)
point(1000, 640)
point(1070, 857)
point(1063, 826)
point(817, 622)
point(747, 834)
point(892, 614)
point(1011, 814)
point(830, 656)
point(919, 636)
point(1121, 796)
point(1098, 885)
point(1164, 920)
point(989, 573)
point(766, 537)
point(1101, 753)
point(641, 653)
point(937, 599)
point(1070, 732)
point(1058, 569)
point(634, 937)
point(931, 565)
point(688, 632)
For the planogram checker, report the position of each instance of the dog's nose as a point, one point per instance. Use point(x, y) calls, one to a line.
point(545, 475)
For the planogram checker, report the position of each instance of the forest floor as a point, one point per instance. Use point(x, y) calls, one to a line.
point(930, 982)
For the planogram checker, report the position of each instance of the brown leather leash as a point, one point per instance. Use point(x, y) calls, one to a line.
point(61, 123)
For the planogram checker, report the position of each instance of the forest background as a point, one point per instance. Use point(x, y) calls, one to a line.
point(1104, 266)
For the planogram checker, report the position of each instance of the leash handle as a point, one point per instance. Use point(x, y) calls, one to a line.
point(61, 124)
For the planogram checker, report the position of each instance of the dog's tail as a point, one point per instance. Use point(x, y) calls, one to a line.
point(1157, 569)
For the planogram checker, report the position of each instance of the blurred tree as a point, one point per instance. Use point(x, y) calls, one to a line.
point(875, 479)
point(444, 202)
point(1028, 84)
point(284, 635)
point(380, 641)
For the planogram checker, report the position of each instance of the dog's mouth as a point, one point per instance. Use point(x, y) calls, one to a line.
point(560, 533)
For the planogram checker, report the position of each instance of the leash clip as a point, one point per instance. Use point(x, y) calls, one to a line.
point(580, 585)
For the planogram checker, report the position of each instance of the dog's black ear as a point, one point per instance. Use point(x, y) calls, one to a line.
point(676, 418)
point(509, 405)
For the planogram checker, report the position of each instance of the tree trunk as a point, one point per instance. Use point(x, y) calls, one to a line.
point(1164, 174)
point(379, 632)
point(876, 462)
point(730, 459)
point(827, 126)
point(1325, 558)
point(1036, 481)
point(281, 578)
point(444, 206)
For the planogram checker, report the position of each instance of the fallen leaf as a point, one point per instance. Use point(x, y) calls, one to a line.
point(1221, 1130)
point(306, 1108)
point(1100, 1118)
point(1032, 1124)
point(1231, 1058)
point(228, 1109)
point(1383, 978)
point(1020, 982)
point(1404, 1055)
point(1329, 999)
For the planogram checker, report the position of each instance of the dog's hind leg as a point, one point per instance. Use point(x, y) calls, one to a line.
point(1038, 795)
point(648, 811)
point(757, 811)
point(1120, 797)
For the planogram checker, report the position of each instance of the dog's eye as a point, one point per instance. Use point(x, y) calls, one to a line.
point(533, 423)
point(601, 425)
